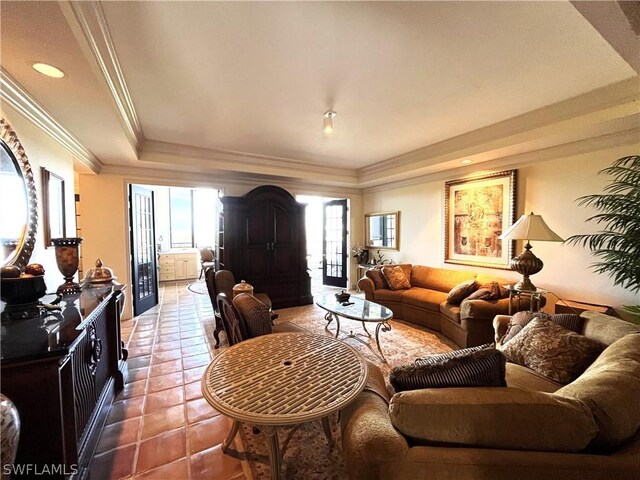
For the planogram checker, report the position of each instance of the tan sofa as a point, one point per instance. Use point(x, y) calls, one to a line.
point(532, 429)
point(425, 303)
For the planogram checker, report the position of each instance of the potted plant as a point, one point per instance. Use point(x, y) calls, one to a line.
point(617, 245)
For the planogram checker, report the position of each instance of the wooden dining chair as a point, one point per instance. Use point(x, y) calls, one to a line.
point(209, 278)
point(232, 320)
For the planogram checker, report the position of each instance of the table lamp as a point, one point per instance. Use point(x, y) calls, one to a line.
point(528, 227)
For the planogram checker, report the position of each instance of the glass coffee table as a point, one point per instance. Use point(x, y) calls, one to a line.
point(363, 311)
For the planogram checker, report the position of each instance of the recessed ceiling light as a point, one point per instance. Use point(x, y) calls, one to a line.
point(48, 70)
point(328, 121)
point(466, 161)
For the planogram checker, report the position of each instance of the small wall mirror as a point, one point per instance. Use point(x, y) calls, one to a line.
point(382, 230)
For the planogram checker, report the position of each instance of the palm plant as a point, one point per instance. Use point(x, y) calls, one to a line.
point(617, 245)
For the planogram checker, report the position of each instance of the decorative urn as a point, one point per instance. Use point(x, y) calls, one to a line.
point(242, 287)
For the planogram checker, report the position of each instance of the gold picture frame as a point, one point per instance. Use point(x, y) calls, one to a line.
point(477, 210)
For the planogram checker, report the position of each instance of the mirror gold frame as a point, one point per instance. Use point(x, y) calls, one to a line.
point(394, 244)
point(10, 142)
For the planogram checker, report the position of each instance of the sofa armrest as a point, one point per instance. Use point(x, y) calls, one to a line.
point(483, 309)
point(366, 285)
point(371, 445)
point(493, 417)
point(500, 326)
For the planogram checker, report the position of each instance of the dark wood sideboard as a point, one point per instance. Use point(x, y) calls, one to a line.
point(262, 240)
point(62, 370)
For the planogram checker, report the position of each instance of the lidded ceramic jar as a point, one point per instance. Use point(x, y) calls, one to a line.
point(99, 274)
point(242, 287)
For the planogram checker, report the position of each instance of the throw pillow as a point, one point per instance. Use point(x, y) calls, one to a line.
point(441, 357)
point(570, 321)
point(376, 276)
point(462, 291)
point(480, 368)
point(396, 278)
point(552, 350)
point(489, 291)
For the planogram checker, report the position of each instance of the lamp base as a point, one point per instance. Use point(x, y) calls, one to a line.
point(525, 285)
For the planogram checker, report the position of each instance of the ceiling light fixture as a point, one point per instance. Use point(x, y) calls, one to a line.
point(466, 161)
point(48, 70)
point(328, 121)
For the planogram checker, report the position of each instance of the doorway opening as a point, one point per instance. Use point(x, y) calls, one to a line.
point(327, 232)
point(169, 226)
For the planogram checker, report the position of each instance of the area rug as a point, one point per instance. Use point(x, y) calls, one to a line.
point(308, 455)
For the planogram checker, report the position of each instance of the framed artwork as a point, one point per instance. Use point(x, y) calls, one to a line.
point(477, 211)
point(53, 207)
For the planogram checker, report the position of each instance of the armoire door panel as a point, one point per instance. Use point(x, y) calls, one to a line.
point(284, 261)
point(283, 227)
point(258, 226)
point(257, 263)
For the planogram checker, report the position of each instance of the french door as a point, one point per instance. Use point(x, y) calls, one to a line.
point(143, 249)
point(334, 243)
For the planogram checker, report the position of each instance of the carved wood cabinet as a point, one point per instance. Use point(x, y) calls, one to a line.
point(264, 242)
point(62, 370)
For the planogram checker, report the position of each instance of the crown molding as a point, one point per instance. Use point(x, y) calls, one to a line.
point(613, 101)
point(602, 142)
point(18, 98)
point(222, 181)
point(227, 160)
point(87, 21)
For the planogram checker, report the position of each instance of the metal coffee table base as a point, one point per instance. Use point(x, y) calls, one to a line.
point(384, 326)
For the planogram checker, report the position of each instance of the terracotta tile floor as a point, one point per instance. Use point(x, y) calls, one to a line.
point(159, 426)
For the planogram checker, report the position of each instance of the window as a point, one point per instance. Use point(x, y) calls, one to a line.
point(181, 217)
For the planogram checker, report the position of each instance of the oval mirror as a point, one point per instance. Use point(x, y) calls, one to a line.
point(18, 201)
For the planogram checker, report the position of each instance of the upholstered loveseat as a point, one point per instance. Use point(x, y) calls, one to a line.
point(532, 429)
point(425, 303)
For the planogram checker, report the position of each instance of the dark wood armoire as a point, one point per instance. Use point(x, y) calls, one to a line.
point(262, 240)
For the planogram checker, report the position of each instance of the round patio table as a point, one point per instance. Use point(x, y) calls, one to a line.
point(283, 379)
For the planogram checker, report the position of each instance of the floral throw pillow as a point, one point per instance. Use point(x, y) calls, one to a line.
point(570, 321)
point(462, 291)
point(396, 278)
point(552, 350)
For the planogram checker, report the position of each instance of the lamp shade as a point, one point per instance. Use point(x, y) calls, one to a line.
point(530, 227)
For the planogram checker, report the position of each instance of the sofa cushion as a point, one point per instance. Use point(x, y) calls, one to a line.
point(551, 350)
point(385, 294)
point(425, 298)
point(570, 321)
point(375, 274)
point(610, 387)
point(466, 368)
point(489, 291)
point(438, 278)
point(508, 418)
point(522, 377)
point(452, 312)
point(605, 328)
point(395, 277)
point(461, 291)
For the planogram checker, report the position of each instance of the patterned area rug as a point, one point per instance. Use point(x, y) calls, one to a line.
point(308, 455)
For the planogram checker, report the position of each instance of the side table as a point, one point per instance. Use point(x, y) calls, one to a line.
point(535, 297)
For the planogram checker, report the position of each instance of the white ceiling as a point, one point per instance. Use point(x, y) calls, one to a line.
point(242, 86)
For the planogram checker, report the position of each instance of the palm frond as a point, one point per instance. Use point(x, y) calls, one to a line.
point(617, 245)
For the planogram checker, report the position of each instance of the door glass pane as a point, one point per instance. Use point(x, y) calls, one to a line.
point(333, 237)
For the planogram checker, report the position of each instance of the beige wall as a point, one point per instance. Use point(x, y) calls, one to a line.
point(547, 188)
point(103, 200)
point(43, 151)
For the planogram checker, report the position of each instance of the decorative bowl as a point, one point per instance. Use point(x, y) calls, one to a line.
point(342, 296)
point(22, 290)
